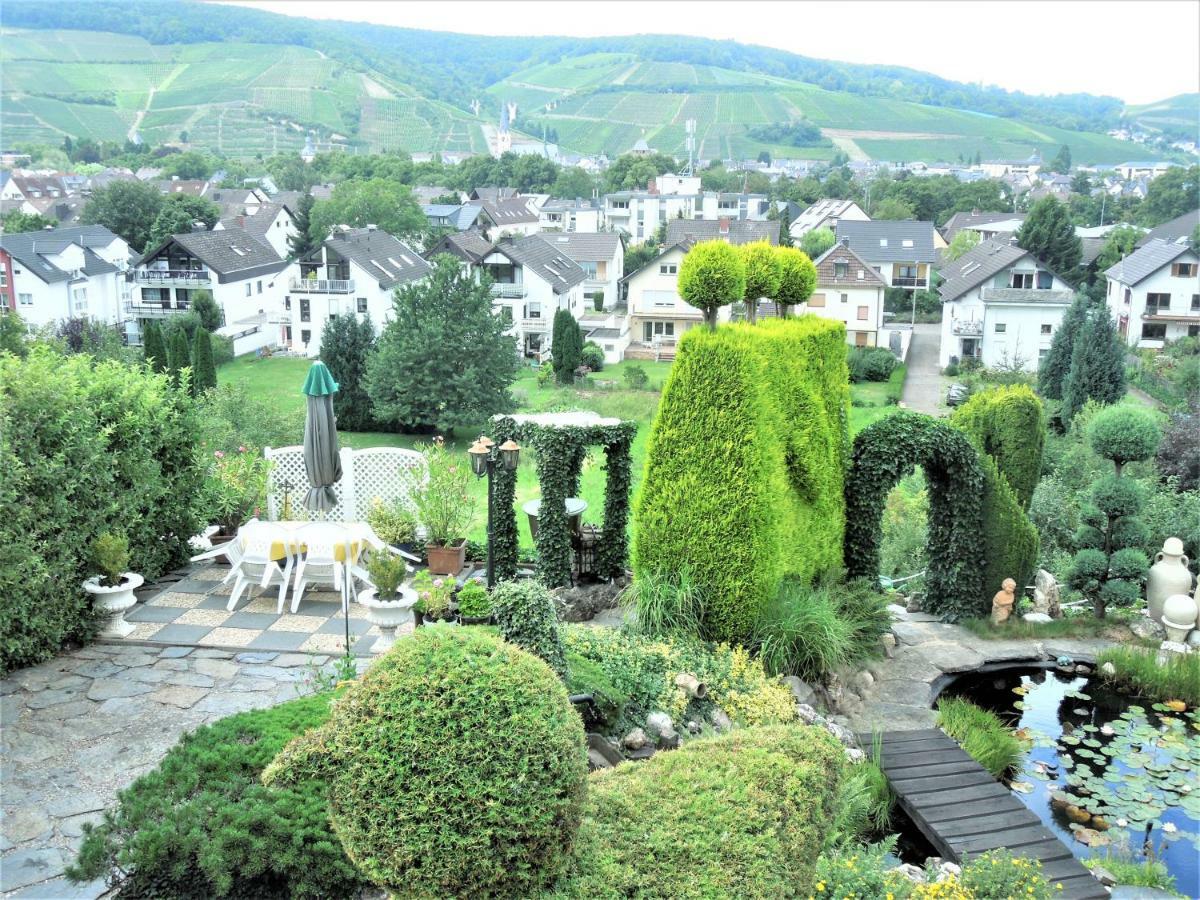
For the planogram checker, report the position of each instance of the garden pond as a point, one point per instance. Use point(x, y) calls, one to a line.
point(1104, 771)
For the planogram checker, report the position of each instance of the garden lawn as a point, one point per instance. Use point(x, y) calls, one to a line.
point(279, 379)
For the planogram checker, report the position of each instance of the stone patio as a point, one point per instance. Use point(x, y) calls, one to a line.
point(79, 728)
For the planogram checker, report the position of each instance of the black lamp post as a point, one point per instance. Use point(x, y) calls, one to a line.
point(485, 456)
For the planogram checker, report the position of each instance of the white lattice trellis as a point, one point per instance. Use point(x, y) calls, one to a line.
point(389, 473)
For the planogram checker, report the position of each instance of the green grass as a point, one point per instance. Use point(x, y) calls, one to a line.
point(1147, 873)
point(989, 741)
point(1138, 670)
point(1018, 629)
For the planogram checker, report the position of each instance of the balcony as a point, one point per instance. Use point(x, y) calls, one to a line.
point(508, 290)
point(535, 323)
point(967, 327)
point(907, 281)
point(176, 277)
point(154, 310)
point(322, 286)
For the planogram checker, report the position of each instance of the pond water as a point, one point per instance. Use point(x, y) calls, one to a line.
point(1094, 753)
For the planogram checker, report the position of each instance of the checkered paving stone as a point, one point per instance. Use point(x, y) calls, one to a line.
point(193, 612)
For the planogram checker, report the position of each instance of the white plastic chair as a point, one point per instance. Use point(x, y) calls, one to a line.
point(256, 565)
point(319, 565)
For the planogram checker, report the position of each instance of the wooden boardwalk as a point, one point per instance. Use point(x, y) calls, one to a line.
point(963, 811)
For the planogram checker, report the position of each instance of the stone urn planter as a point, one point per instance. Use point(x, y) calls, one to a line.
point(114, 601)
point(1179, 617)
point(388, 615)
point(1168, 576)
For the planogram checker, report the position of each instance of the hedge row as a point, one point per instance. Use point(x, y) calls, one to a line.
point(86, 447)
point(745, 463)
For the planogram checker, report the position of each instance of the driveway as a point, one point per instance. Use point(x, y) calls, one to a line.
point(924, 386)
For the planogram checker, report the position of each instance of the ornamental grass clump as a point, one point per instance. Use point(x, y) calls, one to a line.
point(456, 768)
point(1138, 670)
point(989, 741)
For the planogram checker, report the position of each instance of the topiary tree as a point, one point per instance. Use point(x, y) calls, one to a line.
point(1097, 365)
point(712, 275)
point(1007, 423)
point(566, 346)
point(886, 451)
point(154, 350)
point(527, 617)
point(455, 768)
point(763, 275)
point(1109, 568)
point(797, 278)
point(592, 356)
point(204, 370)
point(1053, 370)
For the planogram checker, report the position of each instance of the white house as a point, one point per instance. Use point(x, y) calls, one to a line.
point(270, 222)
point(998, 168)
point(1143, 169)
point(513, 217)
point(584, 216)
point(1154, 293)
point(354, 272)
point(902, 251)
point(826, 214)
point(639, 214)
point(245, 276)
point(602, 258)
point(1000, 305)
point(64, 273)
point(849, 291)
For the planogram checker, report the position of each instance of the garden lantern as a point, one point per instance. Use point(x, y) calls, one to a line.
point(511, 454)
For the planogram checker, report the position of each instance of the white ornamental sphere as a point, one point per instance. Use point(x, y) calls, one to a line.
point(1180, 611)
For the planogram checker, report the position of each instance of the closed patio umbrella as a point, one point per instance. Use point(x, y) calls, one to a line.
point(322, 462)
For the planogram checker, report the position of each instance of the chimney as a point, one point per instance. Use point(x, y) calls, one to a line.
point(372, 227)
point(845, 242)
point(198, 226)
point(723, 226)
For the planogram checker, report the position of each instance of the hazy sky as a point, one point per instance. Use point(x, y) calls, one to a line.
point(1138, 50)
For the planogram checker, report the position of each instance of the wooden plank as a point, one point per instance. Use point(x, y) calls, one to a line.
point(890, 738)
point(985, 824)
point(966, 795)
point(951, 768)
point(1049, 849)
point(907, 760)
point(923, 746)
point(951, 811)
point(1000, 837)
point(1062, 868)
point(1081, 887)
point(932, 783)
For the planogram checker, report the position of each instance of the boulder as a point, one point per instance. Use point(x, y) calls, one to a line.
point(1105, 877)
point(855, 755)
point(720, 720)
point(1045, 595)
point(808, 715)
point(1037, 617)
point(946, 870)
point(915, 874)
point(582, 603)
point(862, 683)
point(800, 689)
point(635, 740)
point(1146, 628)
point(659, 722)
point(913, 604)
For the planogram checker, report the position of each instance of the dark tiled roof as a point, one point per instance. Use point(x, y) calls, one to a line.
point(604, 334)
point(1091, 249)
point(547, 262)
point(583, 247)
point(1027, 295)
point(513, 211)
point(961, 220)
point(470, 246)
point(868, 239)
point(740, 232)
point(827, 264)
point(1145, 261)
point(195, 187)
point(27, 249)
point(232, 253)
point(493, 194)
point(977, 265)
point(257, 223)
point(460, 215)
point(382, 256)
point(1179, 227)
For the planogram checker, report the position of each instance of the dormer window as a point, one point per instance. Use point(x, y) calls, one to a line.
point(906, 242)
point(883, 242)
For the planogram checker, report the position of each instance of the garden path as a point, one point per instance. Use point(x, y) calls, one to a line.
point(899, 692)
point(80, 727)
point(924, 386)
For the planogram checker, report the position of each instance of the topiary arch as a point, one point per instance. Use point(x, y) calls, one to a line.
point(885, 452)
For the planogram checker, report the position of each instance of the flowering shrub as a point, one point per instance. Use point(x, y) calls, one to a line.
point(237, 486)
point(433, 594)
point(444, 501)
point(998, 873)
point(864, 873)
point(859, 874)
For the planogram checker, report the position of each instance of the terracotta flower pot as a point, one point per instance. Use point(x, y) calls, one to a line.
point(446, 560)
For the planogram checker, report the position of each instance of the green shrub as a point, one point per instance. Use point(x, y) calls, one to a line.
point(1128, 870)
point(233, 416)
point(527, 617)
point(859, 873)
point(864, 804)
point(736, 816)
point(394, 522)
point(201, 825)
point(1000, 874)
point(1124, 434)
point(566, 346)
point(473, 601)
point(1139, 671)
point(712, 275)
point(871, 363)
point(86, 447)
point(746, 454)
point(592, 356)
point(455, 768)
point(667, 603)
point(110, 556)
point(636, 378)
point(886, 451)
point(1008, 424)
point(988, 740)
point(1010, 540)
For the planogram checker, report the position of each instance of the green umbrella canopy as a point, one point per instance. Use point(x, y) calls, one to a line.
point(319, 382)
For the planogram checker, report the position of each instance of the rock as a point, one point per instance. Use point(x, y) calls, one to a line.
point(253, 657)
point(24, 824)
point(855, 755)
point(216, 668)
point(635, 740)
point(915, 874)
point(808, 715)
point(582, 603)
point(72, 826)
point(659, 722)
point(1108, 669)
point(946, 870)
point(913, 604)
point(134, 660)
point(1168, 649)
point(46, 699)
point(1081, 669)
point(1147, 629)
point(604, 748)
point(720, 720)
point(693, 726)
point(862, 683)
point(174, 652)
point(668, 739)
point(1193, 638)
point(800, 689)
point(1045, 595)
point(180, 695)
point(292, 660)
point(25, 867)
point(641, 753)
point(206, 653)
point(111, 688)
point(1037, 618)
point(596, 761)
point(74, 803)
point(1104, 876)
point(888, 639)
point(841, 733)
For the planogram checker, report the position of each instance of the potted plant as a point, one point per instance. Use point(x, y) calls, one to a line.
point(112, 590)
point(443, 506)
point(395, 523)
point(388, 603)
point(433, 597)
point(238, 488)
point(474, 604)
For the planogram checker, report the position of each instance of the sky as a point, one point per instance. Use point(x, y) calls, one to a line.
point(1138, 51)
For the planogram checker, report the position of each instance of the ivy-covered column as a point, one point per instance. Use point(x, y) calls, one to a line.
point(613, 550)
point(555, 449)
point(579, 453)
point(504, 524)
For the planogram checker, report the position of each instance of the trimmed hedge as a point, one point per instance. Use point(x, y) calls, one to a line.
point(1008, 424)
point(741, 815)
point(527, 617)
point(744, 466)
point(886, 451)
point(1010, 539)
point(456, 768)
point(201, 825)
point(86, 447)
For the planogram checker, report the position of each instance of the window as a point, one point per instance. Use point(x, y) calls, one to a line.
point(1022, 280)
point(362, 304)
point(533, 311)
point(305, 336)
point(287, 333)
point(1183, 270)
point(1156, 303)
point(79, 301)
point(863, 313)
point(620, 204)
point(845, 298)
point(259, 289)
point(861, 274)
point(247, 289)
point(1047, 329)
point(651, 330)
point(287, 303)
point(25, 299)
point(305, 312)
point(883, 242)
point(1154, 331)
point(1194, 331)
point(668, 269)
point(1042, 353)
point(589, 268)
point(1001, 328)
point(840, 269)
point(816, 300)
point(3, 277)
point(906, 242)
point(860, 339)
point(1195, 302)
point(1044, 281)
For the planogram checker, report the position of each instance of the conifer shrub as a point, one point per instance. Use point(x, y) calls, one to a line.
point(1008, 424)
point(455, 768)
point(739, 815)
point(527, 617)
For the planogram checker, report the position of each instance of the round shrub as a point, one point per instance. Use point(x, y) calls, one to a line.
point(1129, 563)
point(1124, 434)
point(736, 816)
point(1129, 531)
point(712, 275)
point(1118, 592)
point(526, 615)
point(592, 356)
point(456, 768)
point(1115, 496)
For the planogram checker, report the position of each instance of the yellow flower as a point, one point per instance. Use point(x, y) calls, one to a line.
point(820, 885)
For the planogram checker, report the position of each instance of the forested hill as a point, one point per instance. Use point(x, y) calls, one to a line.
point(456, 67)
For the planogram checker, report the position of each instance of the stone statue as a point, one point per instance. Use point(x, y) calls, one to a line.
point(1045, 595)
point(1002, 603)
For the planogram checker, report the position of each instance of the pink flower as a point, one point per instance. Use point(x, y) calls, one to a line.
point(438, 582)
point(219, 454)
point(241, 449)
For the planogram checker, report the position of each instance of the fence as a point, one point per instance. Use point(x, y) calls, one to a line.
point(387, 473)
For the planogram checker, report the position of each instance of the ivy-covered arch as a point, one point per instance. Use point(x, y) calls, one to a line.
point(559, 451)
point(885, 452)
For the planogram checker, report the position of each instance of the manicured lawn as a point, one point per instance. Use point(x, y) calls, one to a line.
point(280, 379)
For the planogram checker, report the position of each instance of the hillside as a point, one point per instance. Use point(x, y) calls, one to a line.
point(244, 82)
point(1175, 117)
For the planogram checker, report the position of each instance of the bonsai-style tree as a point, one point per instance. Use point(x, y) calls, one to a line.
point(797, 278)
point(763, 274)
point(712, 275)
point(566, 346)
point(1109, 568)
